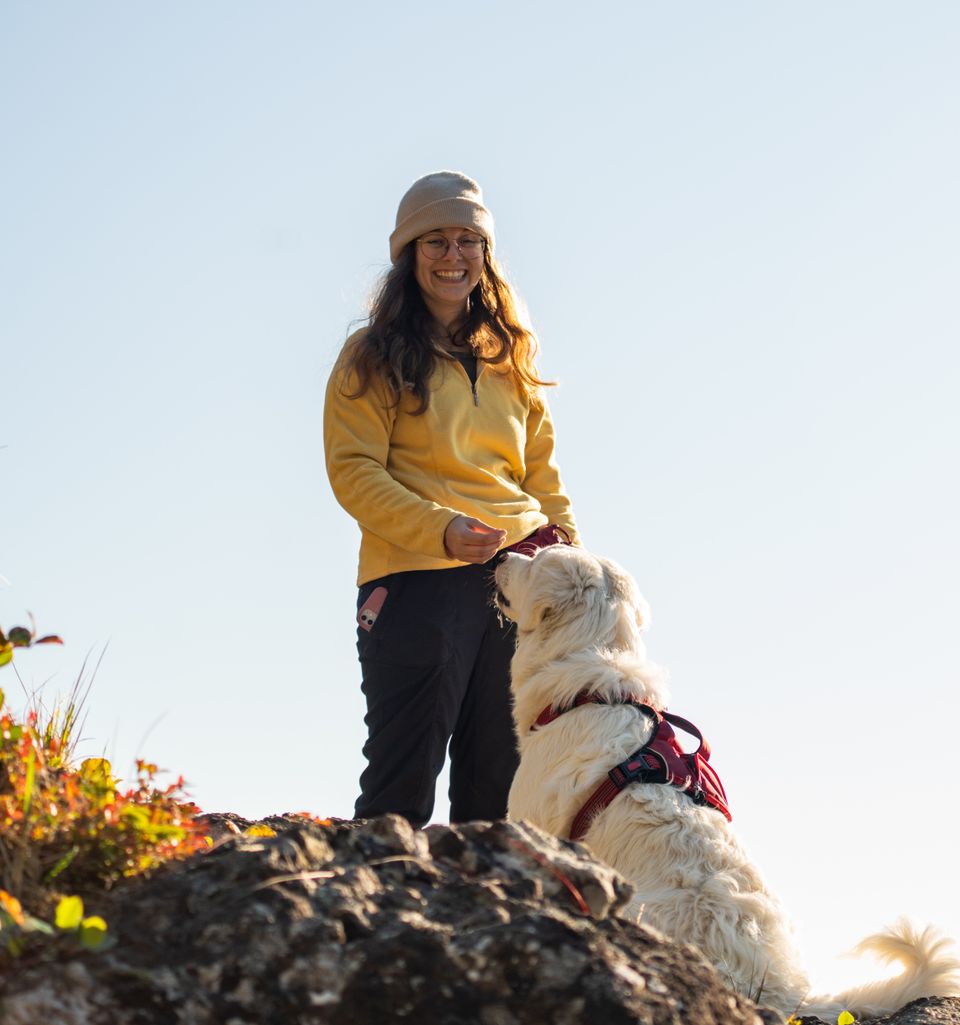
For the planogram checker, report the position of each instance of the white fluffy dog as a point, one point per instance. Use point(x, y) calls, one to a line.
point(579, 620)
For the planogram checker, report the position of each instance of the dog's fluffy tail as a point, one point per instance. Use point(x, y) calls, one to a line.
point(930, 969)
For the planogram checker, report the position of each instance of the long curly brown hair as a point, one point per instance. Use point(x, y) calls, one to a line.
point(401, 345)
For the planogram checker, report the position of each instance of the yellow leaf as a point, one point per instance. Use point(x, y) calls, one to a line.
point(259, 830)
point(93, 931)
point(6, 653)
point(69, 913)
point(96, 770)
point(846, 1018)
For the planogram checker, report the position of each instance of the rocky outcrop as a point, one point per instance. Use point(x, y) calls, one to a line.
point(929, 1011)
point(347, 924)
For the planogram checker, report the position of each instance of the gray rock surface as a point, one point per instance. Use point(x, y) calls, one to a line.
point(929, 1011)
point(360, 924)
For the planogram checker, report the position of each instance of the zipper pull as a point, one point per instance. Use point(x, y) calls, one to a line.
point(476, 397)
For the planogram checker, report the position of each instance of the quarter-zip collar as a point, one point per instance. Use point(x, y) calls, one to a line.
point(475, 376)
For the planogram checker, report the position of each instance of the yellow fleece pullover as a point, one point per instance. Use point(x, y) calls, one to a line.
point(481, 451)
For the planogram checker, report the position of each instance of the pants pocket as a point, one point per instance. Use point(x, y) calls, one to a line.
point(404, 619)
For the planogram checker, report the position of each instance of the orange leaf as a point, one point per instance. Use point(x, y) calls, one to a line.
point(12, 907)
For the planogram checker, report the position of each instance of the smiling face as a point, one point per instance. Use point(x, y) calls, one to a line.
point(446, 283)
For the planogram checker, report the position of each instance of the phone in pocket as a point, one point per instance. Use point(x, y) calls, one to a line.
point(370, 609)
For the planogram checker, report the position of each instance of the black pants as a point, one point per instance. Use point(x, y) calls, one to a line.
point(436, 669)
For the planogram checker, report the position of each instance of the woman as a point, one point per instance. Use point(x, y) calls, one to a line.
point(439, 443)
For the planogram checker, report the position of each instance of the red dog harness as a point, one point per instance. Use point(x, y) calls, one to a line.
point(660, 760)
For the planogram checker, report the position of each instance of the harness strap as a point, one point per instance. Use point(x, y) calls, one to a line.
point(643, 766)
point(596, 802)
point(660, 760)
point(550, 713)
point(584, 698)
point(704, 749)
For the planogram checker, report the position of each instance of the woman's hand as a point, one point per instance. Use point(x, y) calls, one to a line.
point(470, 540)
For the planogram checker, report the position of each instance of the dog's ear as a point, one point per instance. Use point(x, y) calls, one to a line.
point(643, 613)
point(577, 602)
point(541, 611)
point(616, 581)
point(557, 584)
point(622, 592)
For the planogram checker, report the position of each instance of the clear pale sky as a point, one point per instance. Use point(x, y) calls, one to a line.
point(735, 226)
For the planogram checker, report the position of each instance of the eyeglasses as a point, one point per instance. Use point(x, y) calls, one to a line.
point(435, 247)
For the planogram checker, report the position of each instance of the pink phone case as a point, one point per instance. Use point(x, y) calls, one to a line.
point(368, 613)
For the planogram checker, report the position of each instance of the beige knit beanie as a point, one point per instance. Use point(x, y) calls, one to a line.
point(444, 199)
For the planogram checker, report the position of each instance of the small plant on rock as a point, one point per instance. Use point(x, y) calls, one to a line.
point(22, 637)
point(66, 829)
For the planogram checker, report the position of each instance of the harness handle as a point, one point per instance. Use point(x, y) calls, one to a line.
point(684, 724)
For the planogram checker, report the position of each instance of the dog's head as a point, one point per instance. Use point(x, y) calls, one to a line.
point(566, 595)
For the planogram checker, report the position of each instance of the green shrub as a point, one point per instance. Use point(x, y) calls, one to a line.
point(66, 829)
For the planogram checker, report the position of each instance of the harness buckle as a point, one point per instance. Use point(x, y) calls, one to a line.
point(634, 769)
